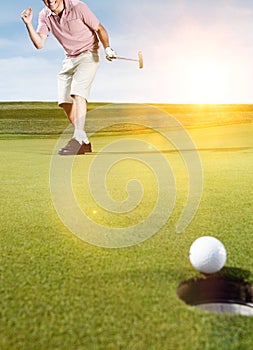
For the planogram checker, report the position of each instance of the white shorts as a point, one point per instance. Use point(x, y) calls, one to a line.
point(76, 76)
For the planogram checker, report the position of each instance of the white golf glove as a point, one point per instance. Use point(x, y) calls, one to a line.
point(110, 54)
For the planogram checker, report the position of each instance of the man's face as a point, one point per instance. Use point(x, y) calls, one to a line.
point(55, 5)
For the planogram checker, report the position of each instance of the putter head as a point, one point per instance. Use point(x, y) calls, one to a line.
point(140, 59)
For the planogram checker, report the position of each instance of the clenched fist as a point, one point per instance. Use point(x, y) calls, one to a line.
point(27, 15)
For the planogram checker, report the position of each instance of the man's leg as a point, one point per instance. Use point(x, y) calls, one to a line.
point(80, 109)
point(76, 113)
point(69, 111)
point(74, 83)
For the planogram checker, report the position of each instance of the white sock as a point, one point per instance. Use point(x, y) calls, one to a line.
point(80, 136)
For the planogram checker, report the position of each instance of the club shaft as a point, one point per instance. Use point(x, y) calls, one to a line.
point(139, 60)
point(126, 59)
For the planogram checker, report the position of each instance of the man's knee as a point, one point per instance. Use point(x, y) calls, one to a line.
point(78, 98)
point(65, 105)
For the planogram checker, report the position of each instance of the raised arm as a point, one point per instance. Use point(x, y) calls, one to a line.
point(37, 38)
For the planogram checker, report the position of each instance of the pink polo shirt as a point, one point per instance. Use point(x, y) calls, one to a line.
point(75, 29)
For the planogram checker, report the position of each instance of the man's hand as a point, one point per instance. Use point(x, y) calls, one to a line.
point(38, 39)
point(110, 54)
point(27, 15)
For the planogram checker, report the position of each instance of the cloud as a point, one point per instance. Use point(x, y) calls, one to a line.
point(35, 79)
point(27, 79)
point(6, 43)
point(120, 81)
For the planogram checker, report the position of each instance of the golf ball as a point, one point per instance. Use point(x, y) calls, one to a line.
point(207, 254)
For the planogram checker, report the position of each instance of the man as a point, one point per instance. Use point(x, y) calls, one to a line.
point(78, 31)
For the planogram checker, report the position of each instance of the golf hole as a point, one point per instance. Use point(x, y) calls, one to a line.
point(221, 295)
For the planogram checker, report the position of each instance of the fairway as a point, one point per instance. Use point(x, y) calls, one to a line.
point(60, 289)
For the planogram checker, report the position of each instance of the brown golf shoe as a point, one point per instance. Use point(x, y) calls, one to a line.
point(73, 147)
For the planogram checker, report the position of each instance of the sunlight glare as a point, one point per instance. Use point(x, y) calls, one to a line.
point(206, 82)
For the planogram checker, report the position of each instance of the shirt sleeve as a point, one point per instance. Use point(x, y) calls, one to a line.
point(42, 25)
point(88, 16)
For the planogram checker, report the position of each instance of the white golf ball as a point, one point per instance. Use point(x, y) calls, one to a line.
point(207, 254)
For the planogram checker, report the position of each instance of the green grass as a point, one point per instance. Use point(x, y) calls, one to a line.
point(58, 292)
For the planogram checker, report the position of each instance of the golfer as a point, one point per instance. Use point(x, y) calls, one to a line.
point(78, 31)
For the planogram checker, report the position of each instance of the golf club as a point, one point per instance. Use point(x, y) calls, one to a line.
point(139, 60)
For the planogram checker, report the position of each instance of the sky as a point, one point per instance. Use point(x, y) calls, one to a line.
point(194, 51)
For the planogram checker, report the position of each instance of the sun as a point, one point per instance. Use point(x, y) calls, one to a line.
point(206, 82)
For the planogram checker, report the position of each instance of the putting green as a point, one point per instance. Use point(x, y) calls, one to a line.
point(59, 292)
